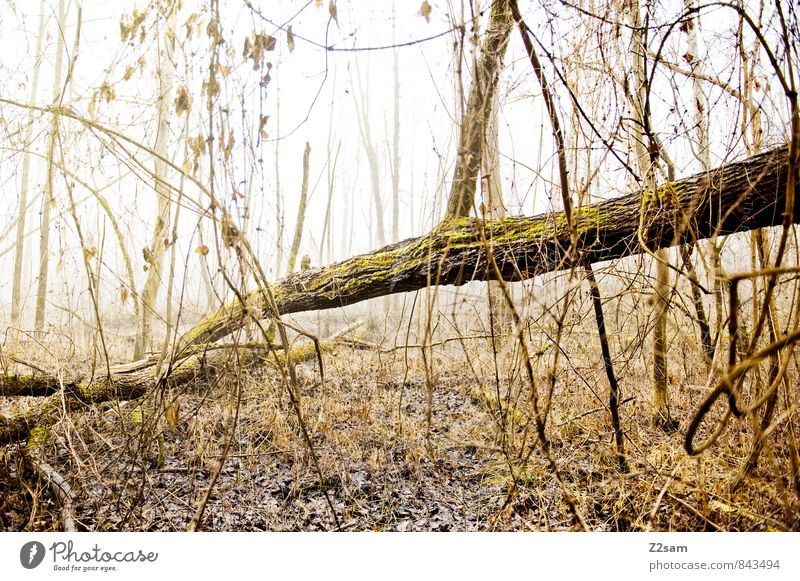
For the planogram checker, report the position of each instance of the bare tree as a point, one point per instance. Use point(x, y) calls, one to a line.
point(16, 298)
point(301, 213)
point(155, 252)
point(646, 155)
point(49, 200)
point(478, 115)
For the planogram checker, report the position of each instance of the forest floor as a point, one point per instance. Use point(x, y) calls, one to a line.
point(476, 467)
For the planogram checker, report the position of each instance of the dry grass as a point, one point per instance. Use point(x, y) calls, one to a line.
point(476, 467)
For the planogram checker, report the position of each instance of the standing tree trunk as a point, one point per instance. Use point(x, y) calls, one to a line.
point(154, 255)
point(48, 200)
point(396, 141)
point(301, 213)
point(279, 213)
point(643, 146)
point(362, 115)
point(494, 209)
point(703, 155)
point(16, 289)
point(477, 117)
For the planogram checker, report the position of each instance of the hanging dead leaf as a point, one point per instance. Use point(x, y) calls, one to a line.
point(147, 254)
point(93, 106)
point(262, 131)
point(171, 414)
point(210, 87)
point(229, 146)
point(128, 73)
point(89, 253)
point(290, 38)
point(318, 3)
point(230, 233)
point(123, 295)
point(267, 78)
point(261, 43)
point(332, 11)
point(107, 92)
point(425, 11)
point(129, 24)
point(190, 23)
point(202, 250)
point(183, 102)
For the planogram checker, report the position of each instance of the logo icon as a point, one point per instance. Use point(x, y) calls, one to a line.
point(31, 554)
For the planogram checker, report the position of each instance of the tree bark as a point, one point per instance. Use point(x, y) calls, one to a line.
point(301, 213)
point(154, 255)
point(48, 199)
point(737, 197)
point(16, 292)
point(476, 118)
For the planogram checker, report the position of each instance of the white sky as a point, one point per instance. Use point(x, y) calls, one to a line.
point(428, 123)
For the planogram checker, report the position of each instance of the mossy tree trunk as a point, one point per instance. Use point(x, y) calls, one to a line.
point(751, 194)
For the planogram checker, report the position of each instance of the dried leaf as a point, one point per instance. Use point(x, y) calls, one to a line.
point(425, 11)
point(123, 295)
point(229, 146)
point(93, 106)
point(202, 250)
point(262, 131)
point(332, 11)
point(190, 22)
point(318, 3)
point(261, 43)
point(171, 415)
point(128, 73)
point(290, 38)
point(183, 102)
point(107, 92)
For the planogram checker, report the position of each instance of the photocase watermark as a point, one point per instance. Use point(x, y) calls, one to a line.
point(31, 554)
point(66, 557)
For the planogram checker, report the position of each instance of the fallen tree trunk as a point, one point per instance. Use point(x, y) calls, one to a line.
point(132, 381)
point(736, 197)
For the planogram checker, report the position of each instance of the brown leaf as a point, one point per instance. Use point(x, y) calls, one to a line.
point(229, 146)
point(425, 11)
point(290, 38)
point(332, 11)
point(107, 92)
point(247, 51)
point(183, 102)
point(318, 3)
point(123, 295)
point(202, 250)
point(171, 414)
point(262, 131)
